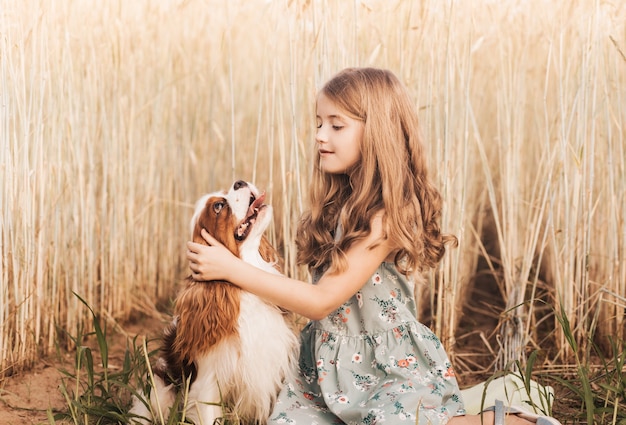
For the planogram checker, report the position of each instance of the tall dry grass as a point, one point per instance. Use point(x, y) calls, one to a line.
point(115, 116)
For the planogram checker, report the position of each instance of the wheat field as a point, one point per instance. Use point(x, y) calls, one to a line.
point(115, 116)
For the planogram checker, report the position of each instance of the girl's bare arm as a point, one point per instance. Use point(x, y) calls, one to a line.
point(215, 262)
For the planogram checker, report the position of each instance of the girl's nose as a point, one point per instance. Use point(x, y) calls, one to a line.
point(320, 135)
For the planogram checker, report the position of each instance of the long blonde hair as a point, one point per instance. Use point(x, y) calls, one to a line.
point(391, 176)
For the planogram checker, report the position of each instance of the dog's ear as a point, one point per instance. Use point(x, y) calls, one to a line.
point(217, 218)
point(269, 254)
point(205, 318)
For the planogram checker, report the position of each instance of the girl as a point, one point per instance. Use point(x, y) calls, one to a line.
point(373, 223)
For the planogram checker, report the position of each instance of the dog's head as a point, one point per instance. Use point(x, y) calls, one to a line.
point(236, 218)
point(208, 313)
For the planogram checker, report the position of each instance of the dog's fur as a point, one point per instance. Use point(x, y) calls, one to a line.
point(235, 348)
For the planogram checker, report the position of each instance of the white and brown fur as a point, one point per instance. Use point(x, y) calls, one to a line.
point(235, 348)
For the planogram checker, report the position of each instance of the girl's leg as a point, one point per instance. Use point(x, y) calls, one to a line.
point(500, 417)
point(486, 419)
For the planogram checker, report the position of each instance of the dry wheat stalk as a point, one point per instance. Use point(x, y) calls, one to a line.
point(116, 116)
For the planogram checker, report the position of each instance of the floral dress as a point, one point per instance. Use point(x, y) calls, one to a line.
point(371, 362)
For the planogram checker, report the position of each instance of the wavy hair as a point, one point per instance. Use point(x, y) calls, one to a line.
point(391, 177)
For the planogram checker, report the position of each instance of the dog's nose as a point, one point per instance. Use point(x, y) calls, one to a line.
point(239, 184)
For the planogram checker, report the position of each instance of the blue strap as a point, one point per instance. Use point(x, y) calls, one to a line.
point(499, 413)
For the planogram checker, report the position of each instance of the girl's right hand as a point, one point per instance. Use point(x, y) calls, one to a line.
point(212, 262)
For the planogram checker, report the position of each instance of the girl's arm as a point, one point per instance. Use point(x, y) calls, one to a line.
point(215, 262)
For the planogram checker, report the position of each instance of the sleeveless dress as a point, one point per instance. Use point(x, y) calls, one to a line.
point(370, 362)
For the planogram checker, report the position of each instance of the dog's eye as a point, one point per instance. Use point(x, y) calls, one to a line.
point(217, 207)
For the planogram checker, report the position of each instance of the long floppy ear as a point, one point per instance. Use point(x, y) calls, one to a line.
point(208, 312)
point(269, 254)
point(206, 316)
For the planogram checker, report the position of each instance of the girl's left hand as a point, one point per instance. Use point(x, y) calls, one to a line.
point(212, 262)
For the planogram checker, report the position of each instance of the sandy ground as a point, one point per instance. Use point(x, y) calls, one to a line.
point(26, 397)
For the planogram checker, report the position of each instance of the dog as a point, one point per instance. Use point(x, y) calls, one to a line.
point(234, 348)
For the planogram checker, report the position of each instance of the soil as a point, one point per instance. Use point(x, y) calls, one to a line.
point(26, 398)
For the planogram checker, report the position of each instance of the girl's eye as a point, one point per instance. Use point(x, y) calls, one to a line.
point(217, 207)
point(334, 127)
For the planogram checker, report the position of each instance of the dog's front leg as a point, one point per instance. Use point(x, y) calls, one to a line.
point(162, 398)
point(204, 401)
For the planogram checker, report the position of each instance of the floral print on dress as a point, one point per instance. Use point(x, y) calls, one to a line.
point(322, 372)
point(406, 387)
point(388, 310)
point(371, 362)
point(359, 299)
point(364, 382)
point(329, 340)
point(401, 413)
point(374, 416)
point(339, 317)
point(283, 419)
point(307, 372)
point(407, 362)
point(290, 390)
point(432, 337)
point(337, 397)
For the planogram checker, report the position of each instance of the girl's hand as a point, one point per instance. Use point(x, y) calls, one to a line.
point(212, 262)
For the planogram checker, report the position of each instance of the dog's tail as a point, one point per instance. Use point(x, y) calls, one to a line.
point(171, 367)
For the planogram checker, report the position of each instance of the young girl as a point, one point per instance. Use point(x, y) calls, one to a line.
point(373, 222)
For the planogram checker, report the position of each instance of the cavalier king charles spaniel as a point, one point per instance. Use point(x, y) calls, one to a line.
point(230, 347)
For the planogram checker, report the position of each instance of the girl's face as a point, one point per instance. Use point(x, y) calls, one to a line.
point(338, 137)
